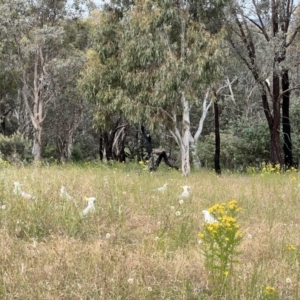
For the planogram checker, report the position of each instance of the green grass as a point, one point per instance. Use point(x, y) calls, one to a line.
point(140, 243)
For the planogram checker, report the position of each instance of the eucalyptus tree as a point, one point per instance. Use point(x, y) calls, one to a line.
point(35, 30)
point(153, 65)
point(262, 32)
point(68, 107)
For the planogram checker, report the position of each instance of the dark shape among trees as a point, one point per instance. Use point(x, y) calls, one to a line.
point(154, 164)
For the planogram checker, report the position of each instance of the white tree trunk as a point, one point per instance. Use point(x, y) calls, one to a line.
point(185, 144)
point(37, 110)
point(194, 139)
point(194, 153)
point(37, 144)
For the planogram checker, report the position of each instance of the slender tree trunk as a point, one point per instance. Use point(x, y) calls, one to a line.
point(194, 139)
point(108, 141)
point(217, 138)
point(275, 128)
point(195, 157)
point(118, 146)
point(37, 144)
point(185, 149)
point(138, 144)
point(286, 126)
point(65, 147)
point(101, 146)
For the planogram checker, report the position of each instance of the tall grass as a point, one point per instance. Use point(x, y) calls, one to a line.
point(141, 243)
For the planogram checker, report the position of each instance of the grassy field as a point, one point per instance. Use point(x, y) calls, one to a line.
point(140, 243)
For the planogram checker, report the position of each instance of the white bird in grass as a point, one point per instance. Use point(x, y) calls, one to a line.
point(19, 192)
point(64, 194)
point(90, 206)
point(185, 193)
point(163, 188)
point(208, 218)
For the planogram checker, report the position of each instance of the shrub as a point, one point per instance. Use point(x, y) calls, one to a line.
point(13, 147)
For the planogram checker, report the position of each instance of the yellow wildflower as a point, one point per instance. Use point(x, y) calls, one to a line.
point(269, 290)
point(290, 247)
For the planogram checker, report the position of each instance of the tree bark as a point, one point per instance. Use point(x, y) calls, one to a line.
point(37, 144)
point(286, 126)
point(108, 141)
point(185, 143)
point(64, 147)
point(275, 129)
point(114, 142)
point(194, 139)
point(217, 139)
point(101, 146)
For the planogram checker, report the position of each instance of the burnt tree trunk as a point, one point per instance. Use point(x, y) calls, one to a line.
point(217, 139)
point(286, 126)
point(101, 146)
point(139, 144)
point(148, 142)
point(148, 145)
point(275, 125)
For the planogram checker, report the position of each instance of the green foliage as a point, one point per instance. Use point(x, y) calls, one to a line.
point(140, 64)
point(242, 145)
point(13, 146)
point(77, 154)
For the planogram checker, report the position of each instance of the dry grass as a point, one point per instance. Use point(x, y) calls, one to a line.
point(134, 246)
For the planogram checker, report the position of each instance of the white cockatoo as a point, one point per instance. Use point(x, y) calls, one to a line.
point(163, 188)
point(90, 207)
point(18, 191)
point(208, 218)
point(64, 194)
point(186, 192)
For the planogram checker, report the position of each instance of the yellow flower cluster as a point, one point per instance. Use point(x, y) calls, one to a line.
point(269, 168)
point(223, 209)
point(290, 247)
point(212, 228)
point(292, 170)
point(270, 291)
point(225, 214)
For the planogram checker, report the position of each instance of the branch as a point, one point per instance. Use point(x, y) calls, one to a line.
point(204, 113)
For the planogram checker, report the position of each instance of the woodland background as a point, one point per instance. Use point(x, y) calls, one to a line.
point(214, 83)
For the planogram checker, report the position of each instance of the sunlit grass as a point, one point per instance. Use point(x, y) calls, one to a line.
point(141, 243)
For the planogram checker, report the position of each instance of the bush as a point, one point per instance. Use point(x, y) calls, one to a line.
point(242, 145)
point(13, 147)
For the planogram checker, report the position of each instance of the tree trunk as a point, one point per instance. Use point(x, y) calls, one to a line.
point(286, 126)
point(185, 143)
point(195, 157)
point(217, 138)
point(194, 139)
point(118, 146)
point(275, 128)
point(108, 145)
point(37, 144)
point(64, 147)
point(101, 146)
